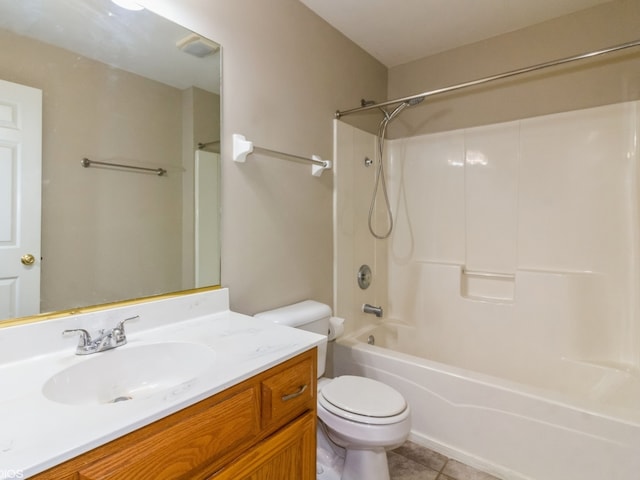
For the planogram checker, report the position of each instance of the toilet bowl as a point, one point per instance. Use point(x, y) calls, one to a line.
point(365, 418)
point(359, 418)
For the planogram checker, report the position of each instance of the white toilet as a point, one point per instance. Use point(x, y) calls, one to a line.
point(360, 418)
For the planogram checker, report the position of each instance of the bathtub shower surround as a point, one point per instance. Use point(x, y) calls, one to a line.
point(522, 239)
point(511, 285)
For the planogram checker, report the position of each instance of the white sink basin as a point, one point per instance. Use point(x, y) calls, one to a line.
point(130, 373)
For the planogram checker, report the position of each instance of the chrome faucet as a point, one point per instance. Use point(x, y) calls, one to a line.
point(377, 311)
point(106, 340)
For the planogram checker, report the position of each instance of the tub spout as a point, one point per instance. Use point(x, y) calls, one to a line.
point(377, 311)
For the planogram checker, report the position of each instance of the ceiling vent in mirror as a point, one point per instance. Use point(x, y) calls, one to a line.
point(197, 46)
point(128, 4)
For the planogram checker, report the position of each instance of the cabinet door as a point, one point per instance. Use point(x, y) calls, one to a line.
point(289, 454)
point(189, 447)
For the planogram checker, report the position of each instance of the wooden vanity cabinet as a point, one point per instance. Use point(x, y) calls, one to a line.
point(260, 429)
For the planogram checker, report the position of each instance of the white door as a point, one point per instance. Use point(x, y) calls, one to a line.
point(20, 192)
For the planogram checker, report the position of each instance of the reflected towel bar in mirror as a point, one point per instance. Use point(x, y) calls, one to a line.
point(202, 145)
point(86, 163)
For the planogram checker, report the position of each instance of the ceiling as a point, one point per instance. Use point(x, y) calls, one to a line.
point(400, 31)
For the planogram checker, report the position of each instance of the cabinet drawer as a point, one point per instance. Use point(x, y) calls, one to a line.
point(289, 392)
point(182, 450)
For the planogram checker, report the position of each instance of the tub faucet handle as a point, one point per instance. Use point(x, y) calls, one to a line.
point(377, 311)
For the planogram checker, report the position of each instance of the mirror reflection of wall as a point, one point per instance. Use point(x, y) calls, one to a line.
point(111, 234)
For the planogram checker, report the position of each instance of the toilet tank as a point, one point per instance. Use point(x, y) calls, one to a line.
point(308, 315)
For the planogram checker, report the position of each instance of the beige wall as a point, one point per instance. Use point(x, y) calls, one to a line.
point(285, 72)
point(607, 79)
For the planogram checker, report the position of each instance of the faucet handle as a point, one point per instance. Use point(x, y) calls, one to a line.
point(85, 338)
point(119, 333)
point(121, 322)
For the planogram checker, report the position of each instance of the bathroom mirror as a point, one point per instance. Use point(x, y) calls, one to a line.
point(122, 88)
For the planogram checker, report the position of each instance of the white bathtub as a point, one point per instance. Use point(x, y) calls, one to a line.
point(501, 419)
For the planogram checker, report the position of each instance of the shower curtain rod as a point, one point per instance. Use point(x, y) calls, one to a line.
point(540, 66)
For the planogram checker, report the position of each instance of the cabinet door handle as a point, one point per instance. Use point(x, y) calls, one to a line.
point(295, 394)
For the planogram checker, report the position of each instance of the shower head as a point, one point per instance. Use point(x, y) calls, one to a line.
point(414, 101)
point(408, 103)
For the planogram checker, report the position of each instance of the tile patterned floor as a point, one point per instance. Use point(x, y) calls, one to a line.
point(413, 462)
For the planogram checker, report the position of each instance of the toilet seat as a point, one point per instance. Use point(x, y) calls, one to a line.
point(363, 400)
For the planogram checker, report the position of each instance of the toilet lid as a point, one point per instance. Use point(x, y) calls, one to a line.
point(363, 396)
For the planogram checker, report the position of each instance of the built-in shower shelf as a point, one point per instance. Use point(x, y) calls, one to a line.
point(490, 286)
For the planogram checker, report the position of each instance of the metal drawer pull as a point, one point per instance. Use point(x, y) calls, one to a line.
point(293, 395)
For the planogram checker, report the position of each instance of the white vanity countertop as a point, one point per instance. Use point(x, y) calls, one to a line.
point(37, 433)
